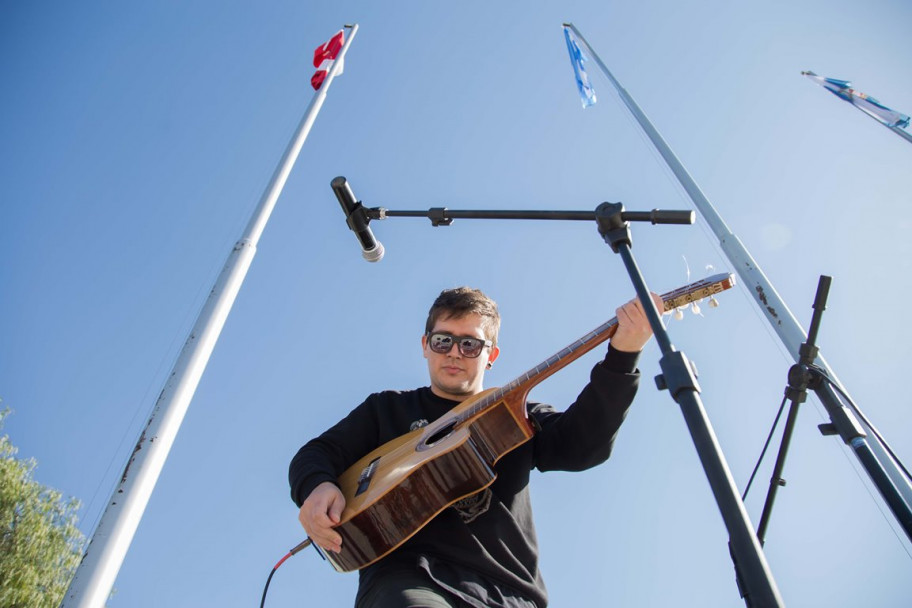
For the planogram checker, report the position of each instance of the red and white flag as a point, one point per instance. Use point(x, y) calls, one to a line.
point(324, 56)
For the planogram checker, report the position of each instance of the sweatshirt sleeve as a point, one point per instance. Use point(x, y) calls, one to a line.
point(326, 457)
point(582, 436)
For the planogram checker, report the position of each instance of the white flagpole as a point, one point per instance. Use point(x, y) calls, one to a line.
point(108, 546)
point(902, 133)
point(898, 130)
point(777, 313)
point(774, 308)
point(850, 95)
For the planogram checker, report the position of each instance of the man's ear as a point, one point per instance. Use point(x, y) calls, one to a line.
point(424, 346)
point(495, 352)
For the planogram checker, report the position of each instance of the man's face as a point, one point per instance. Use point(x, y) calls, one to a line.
point(453, 375)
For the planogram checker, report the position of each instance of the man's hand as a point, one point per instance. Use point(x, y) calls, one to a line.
point(320, 513)
point(633, 327)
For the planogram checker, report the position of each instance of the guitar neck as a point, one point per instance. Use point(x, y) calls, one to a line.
point(524, 383)
point(558, 361)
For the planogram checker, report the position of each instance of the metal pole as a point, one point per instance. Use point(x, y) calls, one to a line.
point(771, 304)
point(777, 313)
point(902, 133)
point(108, 546)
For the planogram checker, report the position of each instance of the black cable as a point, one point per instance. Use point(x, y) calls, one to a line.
point(765, 446)
point(302, 545)
point(266, 588)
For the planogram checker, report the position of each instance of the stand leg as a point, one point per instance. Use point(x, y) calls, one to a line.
point(776, 480)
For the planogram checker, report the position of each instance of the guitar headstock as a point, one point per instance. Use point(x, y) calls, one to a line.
point(695, 292)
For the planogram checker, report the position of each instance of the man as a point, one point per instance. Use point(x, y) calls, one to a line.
point(482, 551)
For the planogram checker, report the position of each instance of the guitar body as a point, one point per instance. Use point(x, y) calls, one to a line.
point(395, 490)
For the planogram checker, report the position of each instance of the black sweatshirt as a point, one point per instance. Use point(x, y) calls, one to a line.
point(488, 540)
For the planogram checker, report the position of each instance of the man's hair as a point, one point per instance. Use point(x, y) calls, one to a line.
point(461, 301)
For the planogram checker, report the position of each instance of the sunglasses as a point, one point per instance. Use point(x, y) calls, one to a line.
point(442, 343)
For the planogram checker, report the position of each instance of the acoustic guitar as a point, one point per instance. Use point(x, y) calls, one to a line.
point(395, 490)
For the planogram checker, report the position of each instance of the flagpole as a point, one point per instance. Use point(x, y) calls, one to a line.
point(94, 578)
point(898, 130)
point(902, 133)
point(777, 313)
point(887, 117)
point(882, 468)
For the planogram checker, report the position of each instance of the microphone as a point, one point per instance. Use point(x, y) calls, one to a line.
point(357, 220)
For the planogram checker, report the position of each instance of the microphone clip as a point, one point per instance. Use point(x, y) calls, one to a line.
point(358, 218)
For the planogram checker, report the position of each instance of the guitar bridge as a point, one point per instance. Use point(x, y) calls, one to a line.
point(366, 475)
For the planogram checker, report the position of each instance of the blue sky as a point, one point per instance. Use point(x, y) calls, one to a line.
point(137, 140)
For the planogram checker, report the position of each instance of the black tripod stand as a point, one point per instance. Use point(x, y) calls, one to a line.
point(754, 577)
point(806, 375)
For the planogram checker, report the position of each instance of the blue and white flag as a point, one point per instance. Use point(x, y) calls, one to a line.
point(577, 58)
point(867, 104)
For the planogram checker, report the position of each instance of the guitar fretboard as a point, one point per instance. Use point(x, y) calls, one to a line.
point(671, 300)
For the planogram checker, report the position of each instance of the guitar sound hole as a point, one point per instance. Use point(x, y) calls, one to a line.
point(440, 434)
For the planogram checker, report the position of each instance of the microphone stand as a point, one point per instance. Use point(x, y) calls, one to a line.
point(755, 581)
point(805, 375)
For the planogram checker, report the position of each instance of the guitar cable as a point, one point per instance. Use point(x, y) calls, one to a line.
point(303, 545)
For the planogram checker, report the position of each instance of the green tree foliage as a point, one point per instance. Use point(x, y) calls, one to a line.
point(40, 545)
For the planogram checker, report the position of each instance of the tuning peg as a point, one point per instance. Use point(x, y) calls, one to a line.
point(678, 314)
point(713, 302)
point(695, 308)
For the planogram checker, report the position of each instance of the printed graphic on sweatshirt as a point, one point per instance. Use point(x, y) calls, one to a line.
point(470, 507)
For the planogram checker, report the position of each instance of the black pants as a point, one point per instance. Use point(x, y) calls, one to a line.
point(408, 590)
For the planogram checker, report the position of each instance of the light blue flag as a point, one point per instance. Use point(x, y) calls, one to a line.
point(577, 58)
point(867, 104)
